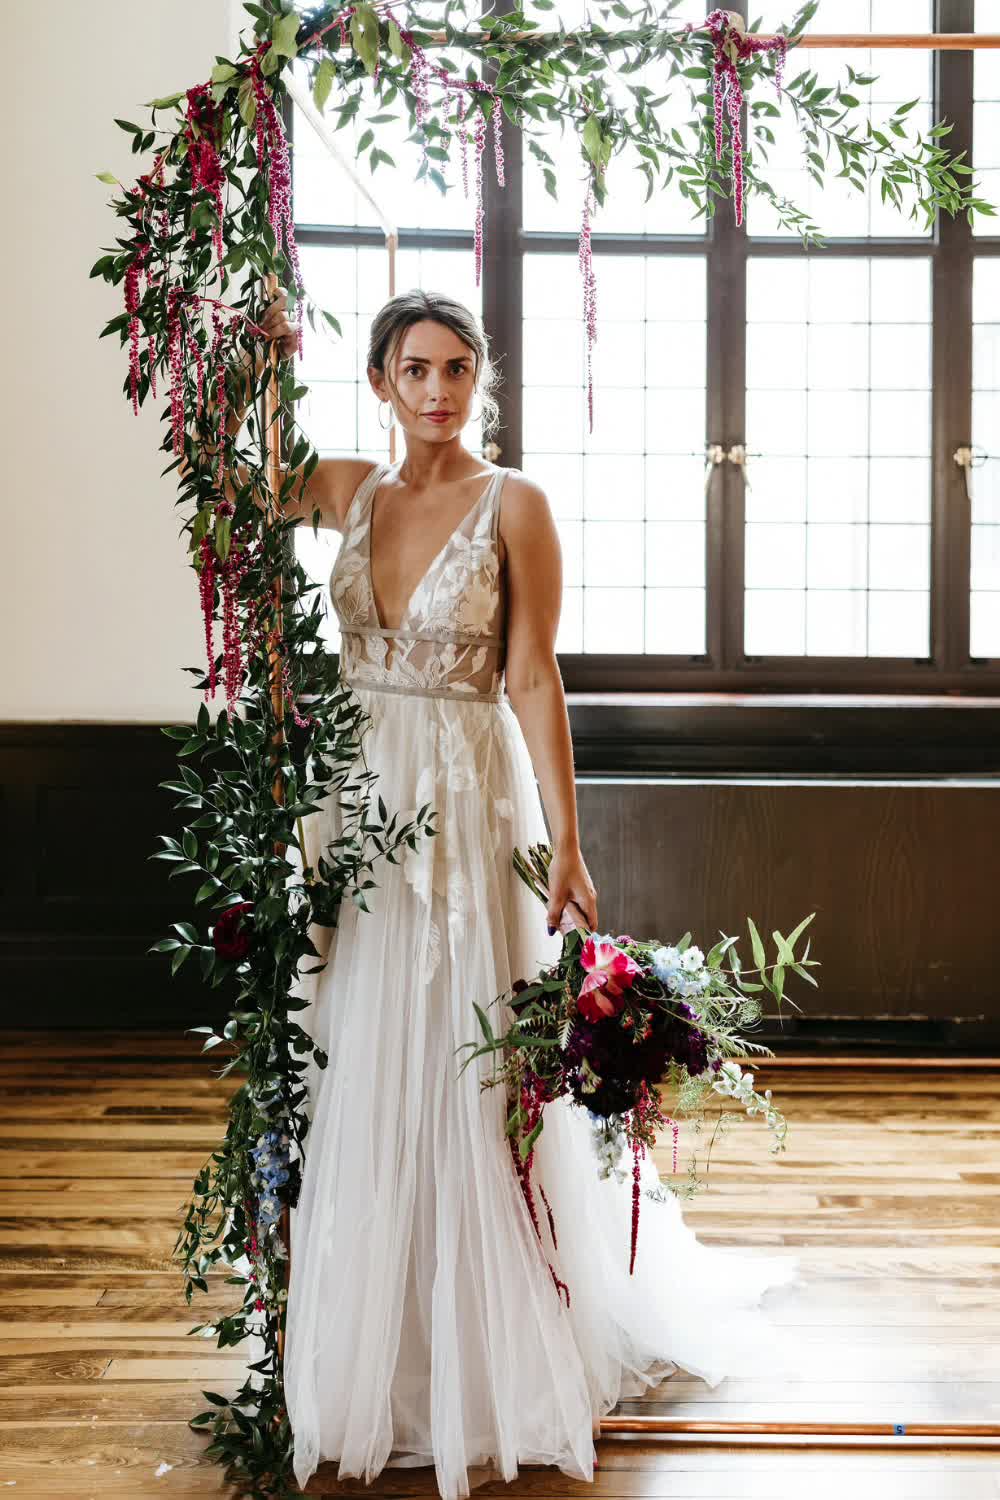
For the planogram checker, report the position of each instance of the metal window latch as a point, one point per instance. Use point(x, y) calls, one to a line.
point(968, 457)
point(717, 453)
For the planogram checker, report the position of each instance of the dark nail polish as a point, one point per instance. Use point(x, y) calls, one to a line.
point(551, 931)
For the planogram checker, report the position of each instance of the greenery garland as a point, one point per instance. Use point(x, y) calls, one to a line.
point(208, 229)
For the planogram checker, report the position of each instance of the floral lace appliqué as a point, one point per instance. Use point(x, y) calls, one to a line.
point(451, 638)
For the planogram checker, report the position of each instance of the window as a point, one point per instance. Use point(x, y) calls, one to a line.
point(769, 498)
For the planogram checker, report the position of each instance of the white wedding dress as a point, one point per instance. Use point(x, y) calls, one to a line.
point(424, 1324)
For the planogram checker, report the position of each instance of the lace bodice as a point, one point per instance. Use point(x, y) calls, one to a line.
point(451, 638)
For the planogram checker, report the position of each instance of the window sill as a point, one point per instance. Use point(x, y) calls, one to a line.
point(854, 733)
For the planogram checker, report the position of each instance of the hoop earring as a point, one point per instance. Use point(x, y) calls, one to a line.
point(392, 423)
point(475, 417)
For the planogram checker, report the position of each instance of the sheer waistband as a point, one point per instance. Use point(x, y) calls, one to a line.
point(445, 636)
point(455, 694)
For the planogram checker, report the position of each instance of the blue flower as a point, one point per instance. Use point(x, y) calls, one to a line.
point(268, 1210)
point(271, 1157)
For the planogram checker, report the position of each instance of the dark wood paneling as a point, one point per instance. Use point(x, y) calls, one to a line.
point(83, 901)
point(898, 876)
point(663, 733)
point(898, 873)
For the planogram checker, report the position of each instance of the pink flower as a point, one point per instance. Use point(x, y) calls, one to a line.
point(609, 974)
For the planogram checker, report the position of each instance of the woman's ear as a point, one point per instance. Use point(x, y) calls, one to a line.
point(377, 383)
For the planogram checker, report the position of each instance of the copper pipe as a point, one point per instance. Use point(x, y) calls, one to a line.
point(806, 1429)
point(818, 1061)
point(934, 41)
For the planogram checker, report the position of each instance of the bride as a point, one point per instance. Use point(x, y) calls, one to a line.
point(424, 1325)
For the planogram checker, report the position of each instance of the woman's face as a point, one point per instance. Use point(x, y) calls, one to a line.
point(433, 371)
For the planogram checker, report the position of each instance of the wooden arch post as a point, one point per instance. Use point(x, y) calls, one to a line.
point(271, 437)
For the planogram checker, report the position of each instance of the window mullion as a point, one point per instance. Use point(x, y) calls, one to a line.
point(503, 284)
point(952, 364)
point(726, 425)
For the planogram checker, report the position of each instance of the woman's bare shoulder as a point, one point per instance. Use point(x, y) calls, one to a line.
point(523, 498)
point(332, 487)
point(525, 515)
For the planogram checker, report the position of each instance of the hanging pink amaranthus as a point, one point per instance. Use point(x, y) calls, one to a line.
point(238, 560)
point(273, 144)
point(585, 259)
point(133, 276)
point(217, 361)
point(534, 1096)
point(202, 130)
point(421, 71)
point(206, 595)
point(199, 367)
point(463, 141)
point(179, 337)
point(242, 556)
point(479, 142)
point(175, 356)
point(645, 1119)
point(733, 46)
point(638, 1152)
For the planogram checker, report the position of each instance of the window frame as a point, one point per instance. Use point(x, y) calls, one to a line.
point(951, 251)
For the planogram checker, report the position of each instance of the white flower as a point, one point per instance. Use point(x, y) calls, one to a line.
point(692, 959)
point(666, 962)
point(609, 1144)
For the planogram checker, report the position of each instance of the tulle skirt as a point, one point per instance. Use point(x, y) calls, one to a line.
point(424, 1324)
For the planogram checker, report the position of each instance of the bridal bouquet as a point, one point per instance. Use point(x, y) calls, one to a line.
point(616, 1019)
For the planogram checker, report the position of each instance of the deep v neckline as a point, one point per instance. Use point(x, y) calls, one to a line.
point(430, 566)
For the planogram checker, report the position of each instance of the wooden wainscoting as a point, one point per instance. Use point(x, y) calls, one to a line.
point(693, 813)
point(900, 875)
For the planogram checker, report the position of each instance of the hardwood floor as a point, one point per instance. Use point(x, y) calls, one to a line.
point(889, 1191)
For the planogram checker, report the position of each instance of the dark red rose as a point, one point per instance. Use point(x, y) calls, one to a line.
point(231, 933)
point(518, 1005)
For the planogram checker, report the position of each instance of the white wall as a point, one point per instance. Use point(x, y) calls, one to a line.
point(98, 607)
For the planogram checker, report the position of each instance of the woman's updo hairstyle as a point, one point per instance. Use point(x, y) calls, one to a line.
point(401, 312)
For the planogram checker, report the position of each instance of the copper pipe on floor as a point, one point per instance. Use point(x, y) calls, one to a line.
point(989, 1430)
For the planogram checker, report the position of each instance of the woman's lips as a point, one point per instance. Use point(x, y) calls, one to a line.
point(438, 416)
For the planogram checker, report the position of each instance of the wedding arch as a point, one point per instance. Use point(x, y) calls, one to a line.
point(206, 238)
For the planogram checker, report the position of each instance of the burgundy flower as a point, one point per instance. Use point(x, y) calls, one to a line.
point(231, 935)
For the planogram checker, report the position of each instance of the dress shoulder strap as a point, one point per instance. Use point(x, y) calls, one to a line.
point(367, 488)
point(498, 482)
